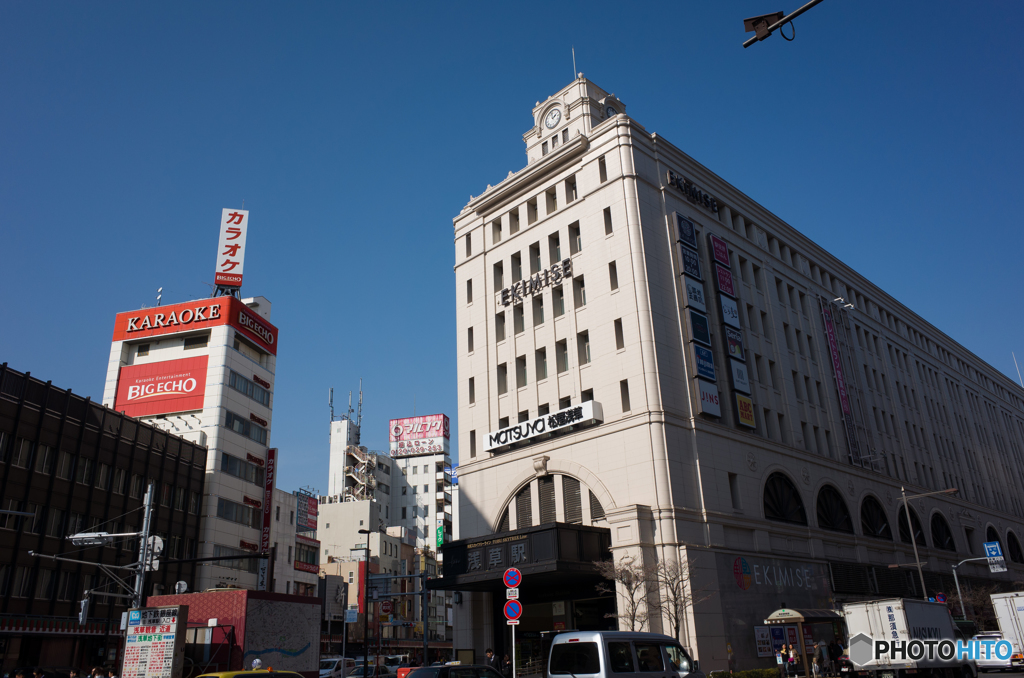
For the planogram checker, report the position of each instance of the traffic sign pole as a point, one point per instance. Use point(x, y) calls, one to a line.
point(513, 608)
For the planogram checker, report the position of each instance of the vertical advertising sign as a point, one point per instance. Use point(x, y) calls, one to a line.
point(840, 380)
point(268, 498)
point(231, 248)
point(427, 434)
point(154, 645)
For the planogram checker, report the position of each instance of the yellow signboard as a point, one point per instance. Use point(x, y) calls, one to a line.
point(745, 408)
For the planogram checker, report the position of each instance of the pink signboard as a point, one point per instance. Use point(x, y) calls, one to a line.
point(719, 250)
point(724, 277)
point(428, 434)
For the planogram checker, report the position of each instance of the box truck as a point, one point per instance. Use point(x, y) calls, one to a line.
point(1009, 609)
point(902, 619)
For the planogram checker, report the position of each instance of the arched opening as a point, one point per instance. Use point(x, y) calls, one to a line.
point(568, 506)
point(1013, 548)
point(873, 521)
point(992, 535)
point(905, 529)
point(782, 501)
point(832, 512)
point(942, 538)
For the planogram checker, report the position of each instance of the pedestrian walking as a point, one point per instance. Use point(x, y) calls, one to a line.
point(506, 667)
point(492, 660)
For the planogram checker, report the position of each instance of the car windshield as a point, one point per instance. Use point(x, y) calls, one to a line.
point(574, 658)
point(424, 673)
point(328, 664)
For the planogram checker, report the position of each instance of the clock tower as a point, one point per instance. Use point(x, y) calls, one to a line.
point(573, 111)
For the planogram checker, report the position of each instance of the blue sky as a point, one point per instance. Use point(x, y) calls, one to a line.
point(889, 133)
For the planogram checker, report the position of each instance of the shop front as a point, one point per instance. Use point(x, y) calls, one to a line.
point(558, 591)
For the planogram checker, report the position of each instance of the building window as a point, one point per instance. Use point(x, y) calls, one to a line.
point(404, 516)
point(499, 275)
point(551, 200)
point(22, 453)
point(245, 470)
point(602, 169)
point(544, 148)
point(197, 341)
point(499, 326)
point(469, 245)
point(531, 210)
point(521, 371)
point(469, 291)
point(55, 524)
point(85, 469)
point(472, 445)
point(565, 139)
point(613, 276)
point(244, 564)
point(291, 517)
point(246, 428)
point(120, 480)
point(518, 326)
point(541, 363)
point(237, 513)
point(513, 221)
point(554, 248)
point(254, 391)
point(143, 350)
point(103, 477)
point(734, 491)
point(620, 339)
point(517, 267)
point(165, 495)
point(304, 553)
point(65, 466)
point(575, 239)
point(558, 301)
point(624, 393)
point(524, 416)
point(608, 221)
point(561, 356)
point(502, 378)
point(44, 459)
point(472, 390)
point(535, 258)
point(469, 340)
point(180, 499)
point(496, 231)
point(579, 290)
point(137, 484)
point(503, 422)
point(538, 310)
point(583, 347)
point(193, 503)
point(570, 186)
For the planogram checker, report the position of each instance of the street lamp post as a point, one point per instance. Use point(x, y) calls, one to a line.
point(366, 607)
point(956, 580)
point(910, 528)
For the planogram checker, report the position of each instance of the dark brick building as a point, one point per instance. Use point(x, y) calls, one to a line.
point(78, 466)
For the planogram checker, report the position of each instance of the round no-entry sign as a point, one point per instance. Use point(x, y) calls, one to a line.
point(512, 577)
point(386, 607)
point(513, 609)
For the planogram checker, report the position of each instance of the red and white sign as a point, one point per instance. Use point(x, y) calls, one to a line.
point(248, 546)
point(231, 248)
point(159, 388)
point(428, 434)
point(196, 315)
point(719, 250)
point(268, 498)
point(306, 509)
point(710, 403)
point(386, 607)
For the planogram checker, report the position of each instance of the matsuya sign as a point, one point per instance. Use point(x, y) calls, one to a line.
point(581, 415)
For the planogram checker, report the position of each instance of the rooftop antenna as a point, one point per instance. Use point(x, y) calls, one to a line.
point(349, 415)
point(330, 402)
point(359, 420)
point(160, 294)
point(574, 76)
point(1018, 369)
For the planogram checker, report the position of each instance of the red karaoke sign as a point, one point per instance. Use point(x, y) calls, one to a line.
point(268, 498)
point(160, 388)
point(196, 315)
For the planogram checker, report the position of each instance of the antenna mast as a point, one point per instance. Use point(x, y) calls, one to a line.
point(330, 402)
point(359, 421)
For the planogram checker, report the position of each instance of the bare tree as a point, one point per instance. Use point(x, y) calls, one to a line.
point(978, 605)
point(632, 581)
point(676, 580)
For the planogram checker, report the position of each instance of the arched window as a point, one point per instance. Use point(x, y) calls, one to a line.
point(942, 538)
point(782, 501)
point(873, 522)
point(832, 512)
point(1013, 548)
point(992, 535)
point(905, 530)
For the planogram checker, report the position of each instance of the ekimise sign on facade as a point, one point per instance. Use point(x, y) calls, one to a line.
point(160, 388)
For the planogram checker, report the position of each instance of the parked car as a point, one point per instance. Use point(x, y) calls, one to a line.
point(379, 671)
point(336, 667)
point(616, 654)
point(260, 673)
point(992, 664)
point(455, 671)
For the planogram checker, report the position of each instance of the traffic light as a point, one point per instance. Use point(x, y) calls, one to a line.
point(83, 611)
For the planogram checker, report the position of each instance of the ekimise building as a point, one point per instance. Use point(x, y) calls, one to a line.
point(204, 370)
point(75, 466)
point(649, 360)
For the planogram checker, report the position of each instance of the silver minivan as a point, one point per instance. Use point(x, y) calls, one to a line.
point(619, 654)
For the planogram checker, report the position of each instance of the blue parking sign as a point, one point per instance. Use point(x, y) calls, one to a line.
point(993, 550)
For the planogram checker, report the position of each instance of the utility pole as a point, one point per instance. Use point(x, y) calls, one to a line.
point(140, 576)
point(956, 581)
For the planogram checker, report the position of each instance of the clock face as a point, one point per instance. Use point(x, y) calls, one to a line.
point(552, 118)
point(610, 112)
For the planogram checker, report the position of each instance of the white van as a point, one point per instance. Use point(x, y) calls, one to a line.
point(619, 654)
point(336, 667)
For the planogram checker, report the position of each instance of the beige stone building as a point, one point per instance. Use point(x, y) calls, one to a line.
point(648, 358)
